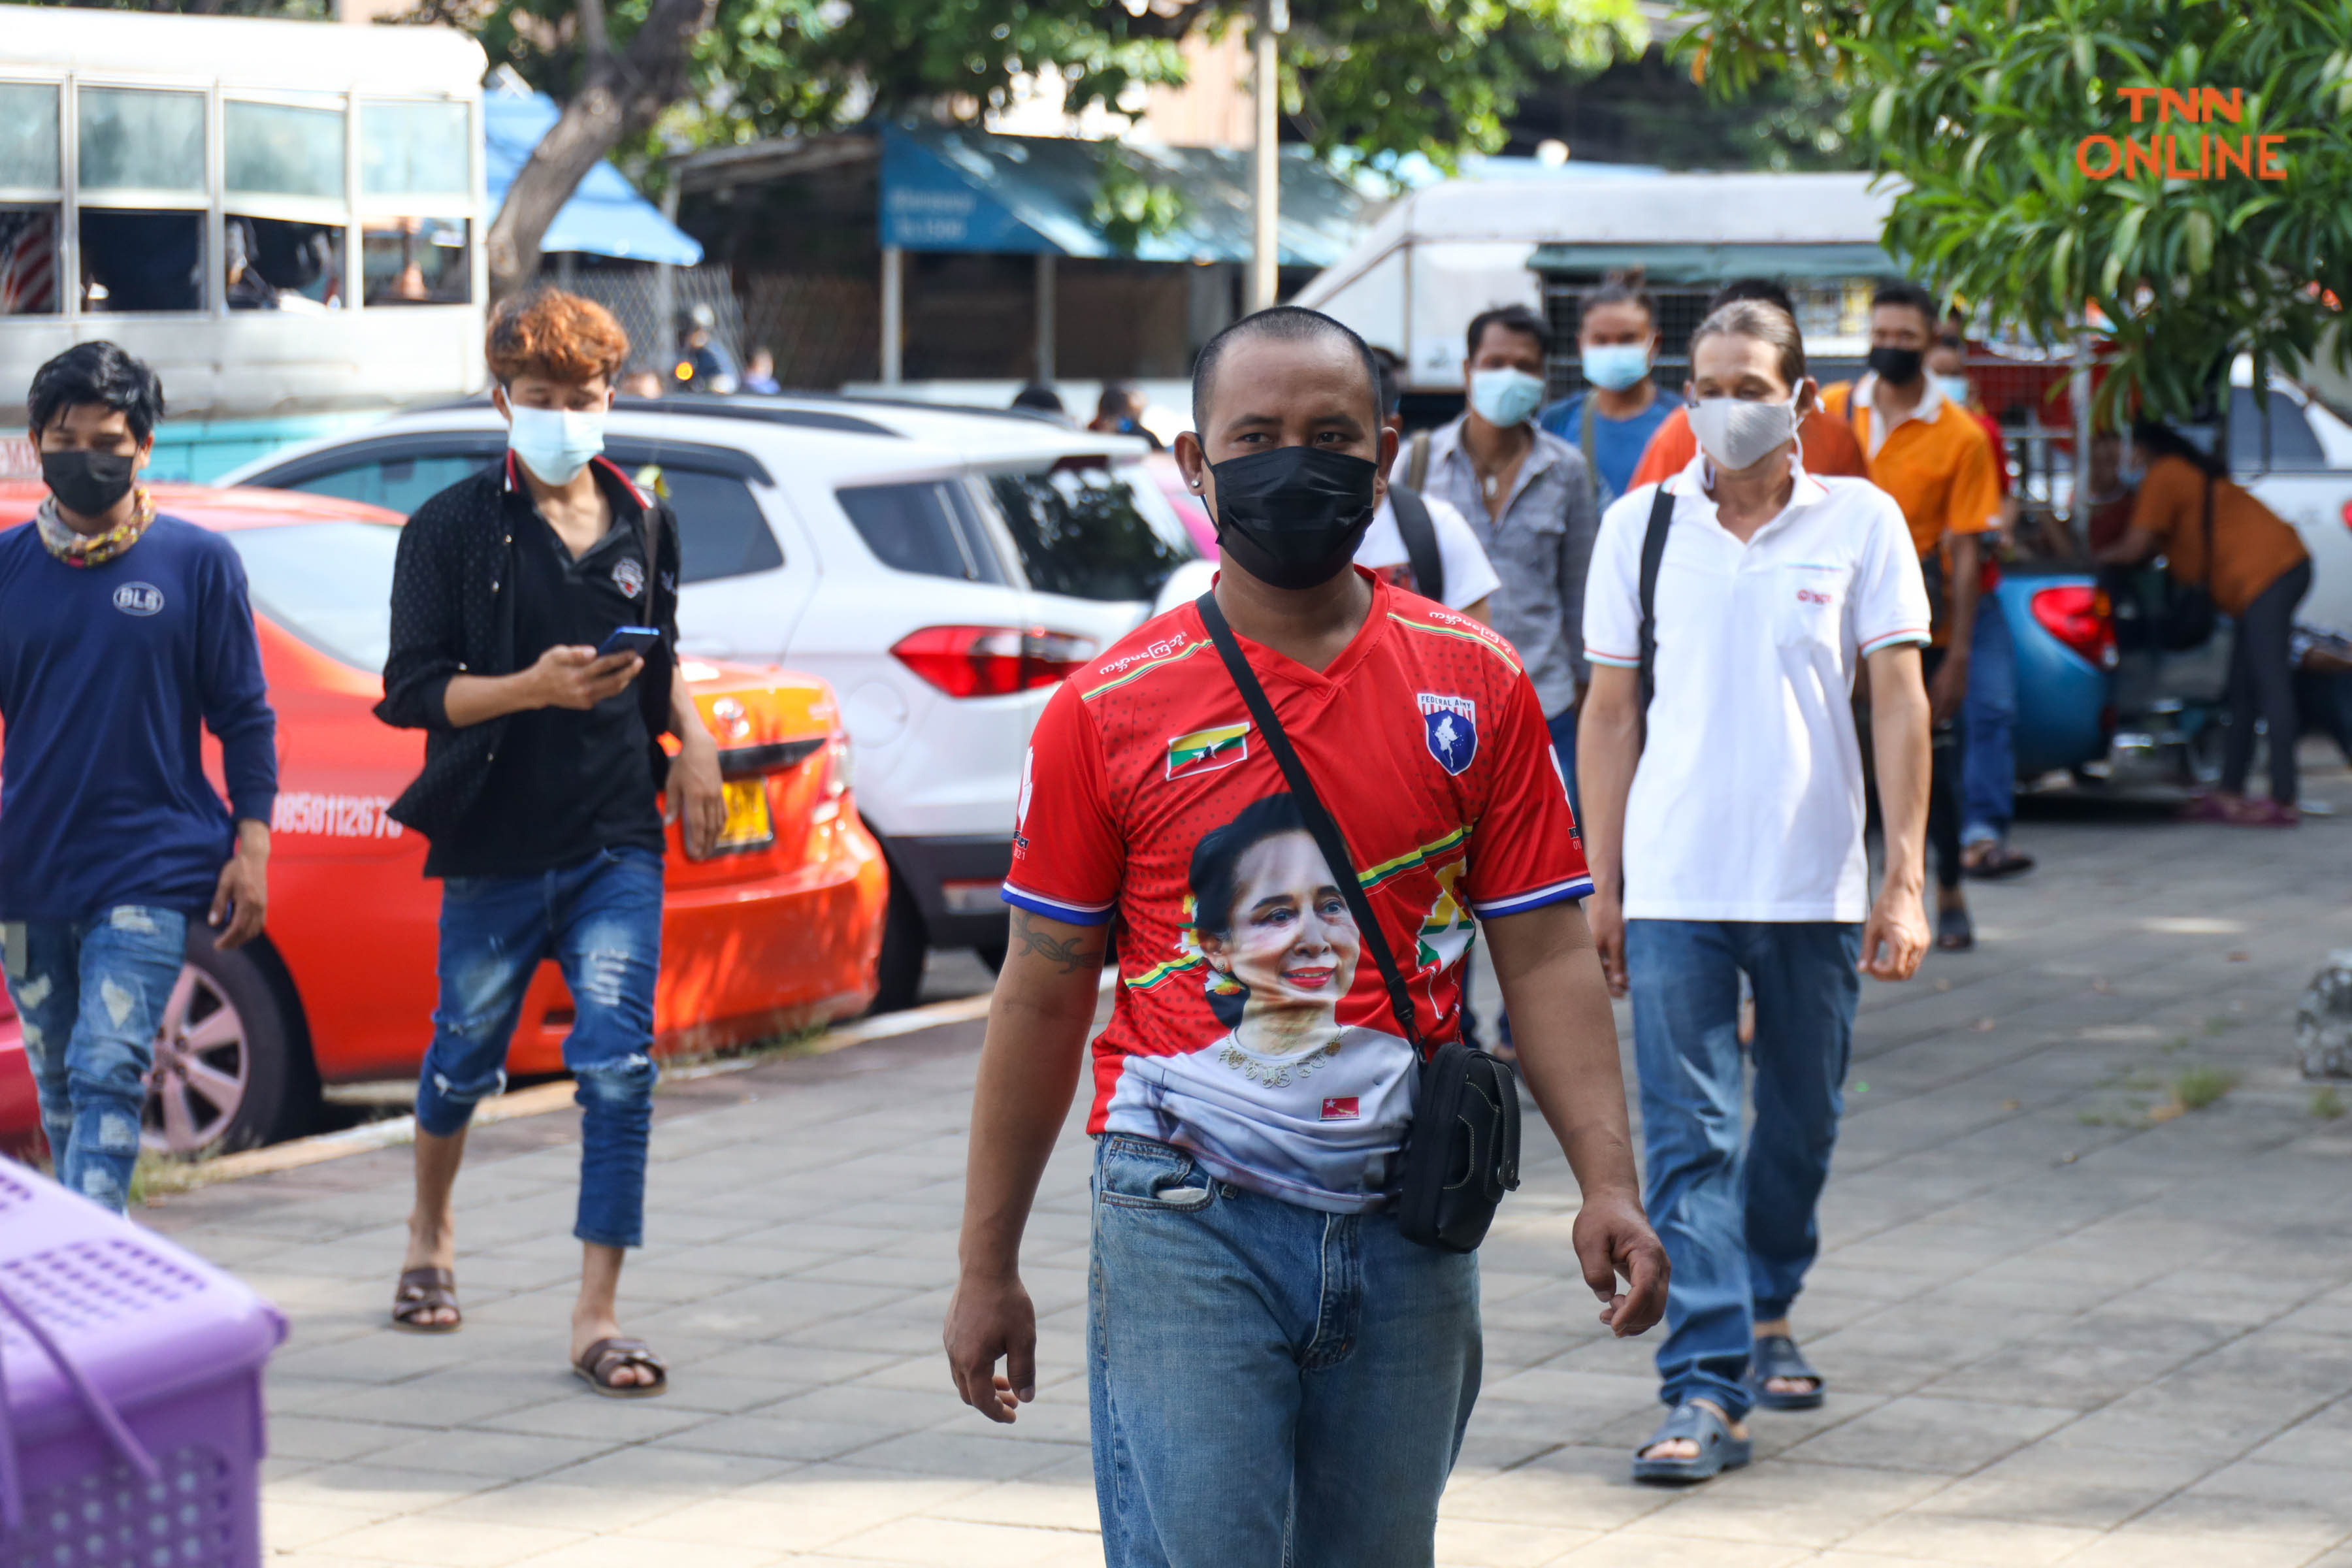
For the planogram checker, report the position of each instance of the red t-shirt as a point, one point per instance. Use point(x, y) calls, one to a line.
point(1252, 1028)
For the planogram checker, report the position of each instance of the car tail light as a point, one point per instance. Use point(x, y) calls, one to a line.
point(990, 661)
point(2079, 615)
point(2348, 514)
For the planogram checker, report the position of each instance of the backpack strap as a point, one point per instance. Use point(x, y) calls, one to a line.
point(1417, 471)
point(1419, 530)
point(1585, 444)
point(1653, 552)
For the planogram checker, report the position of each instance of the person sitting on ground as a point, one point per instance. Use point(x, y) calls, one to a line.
point(541, 794)
point(1830, 447)
point(759, 376)
point(2214, 534)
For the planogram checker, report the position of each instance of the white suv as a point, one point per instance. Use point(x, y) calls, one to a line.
point(942, 568)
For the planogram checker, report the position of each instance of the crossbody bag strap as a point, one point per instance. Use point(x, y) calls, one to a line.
point(1419, 532)
point(1319, 825)
point(1653, 552)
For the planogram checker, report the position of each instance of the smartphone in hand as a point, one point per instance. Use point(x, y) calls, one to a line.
point(638, 640)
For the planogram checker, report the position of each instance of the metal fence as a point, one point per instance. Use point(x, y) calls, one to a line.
point(824, 330)
point(649, 314)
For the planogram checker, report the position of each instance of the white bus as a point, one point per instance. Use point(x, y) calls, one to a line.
point(285, 218)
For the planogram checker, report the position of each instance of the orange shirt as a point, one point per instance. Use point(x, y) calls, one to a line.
point(1938, 471)
point(1830, 449)
point(2251, 547)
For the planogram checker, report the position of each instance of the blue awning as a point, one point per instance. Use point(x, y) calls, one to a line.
point(606, 217)
point(945, 188)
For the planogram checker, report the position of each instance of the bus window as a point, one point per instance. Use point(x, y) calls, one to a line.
point(269, 264)
point(142, 260)
point(280, 149)
point(139, 141)
point(28, 261)
point(416, 261)
point(416, 150)
point(29, 232)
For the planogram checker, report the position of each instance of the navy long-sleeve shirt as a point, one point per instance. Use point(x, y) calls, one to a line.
point(106, 673)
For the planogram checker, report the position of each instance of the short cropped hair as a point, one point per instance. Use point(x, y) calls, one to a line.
point(1511, 319)
point(1284, 324)
point(1908, 296)
point(100, 373)
point(559, 336)
point(1764, 323)
point(1767, 290)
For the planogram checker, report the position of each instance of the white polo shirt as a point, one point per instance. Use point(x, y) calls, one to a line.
point(1748, 802)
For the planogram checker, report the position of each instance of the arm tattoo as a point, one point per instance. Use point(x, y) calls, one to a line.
point(1072, 953)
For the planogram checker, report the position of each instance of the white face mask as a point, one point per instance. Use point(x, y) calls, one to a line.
point(555, 443)
point(1736, 433)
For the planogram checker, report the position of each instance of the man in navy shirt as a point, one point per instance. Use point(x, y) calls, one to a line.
point(1612, 419)
point(120, 633)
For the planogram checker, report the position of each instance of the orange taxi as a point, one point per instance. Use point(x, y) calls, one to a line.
point(780, 930)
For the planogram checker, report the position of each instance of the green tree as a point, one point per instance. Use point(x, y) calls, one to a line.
point(1981, 108)
point(1370, 80)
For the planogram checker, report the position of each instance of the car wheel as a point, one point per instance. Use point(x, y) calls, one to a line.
point(904, 939)
point(233, 1066)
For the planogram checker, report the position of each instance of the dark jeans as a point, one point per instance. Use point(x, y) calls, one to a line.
point(2261, 686)
point(600, 919)
point(1945, 770)
point(1737, 1223)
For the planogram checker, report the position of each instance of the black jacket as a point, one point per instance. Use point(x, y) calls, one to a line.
point(451, 614)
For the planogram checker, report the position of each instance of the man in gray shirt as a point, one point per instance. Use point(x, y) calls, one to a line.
point(1526, 494)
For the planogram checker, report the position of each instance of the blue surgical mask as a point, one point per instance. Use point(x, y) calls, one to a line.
point(555, 443)
point(1955, 387)
point(1506, 397)
point(1615, 367)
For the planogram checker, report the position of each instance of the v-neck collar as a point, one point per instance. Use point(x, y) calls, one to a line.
point(1272, 665)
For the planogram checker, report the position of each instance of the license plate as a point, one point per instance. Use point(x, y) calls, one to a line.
point(749, 826)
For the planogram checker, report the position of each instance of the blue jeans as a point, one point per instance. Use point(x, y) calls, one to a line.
point(600, 919)
point(1270, 1385)
point(1988, 726)
point(90, 995)
point(1739, 1223)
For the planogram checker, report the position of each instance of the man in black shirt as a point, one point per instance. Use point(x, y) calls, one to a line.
point(543, 766)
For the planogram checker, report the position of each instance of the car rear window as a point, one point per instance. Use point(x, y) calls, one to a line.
point(721, 532)
point(1090, 531)
point(2294, 449)
point(329, 583)
point(929, 527)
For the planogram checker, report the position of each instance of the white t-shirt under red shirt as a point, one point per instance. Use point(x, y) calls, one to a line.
point(1252, 1026)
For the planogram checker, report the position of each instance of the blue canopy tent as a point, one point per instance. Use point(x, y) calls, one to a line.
point(606, 217)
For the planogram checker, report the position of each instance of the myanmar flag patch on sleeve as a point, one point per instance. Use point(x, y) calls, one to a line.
point(1206, 751)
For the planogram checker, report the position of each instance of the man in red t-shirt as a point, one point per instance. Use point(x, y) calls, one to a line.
point(1269, 1358)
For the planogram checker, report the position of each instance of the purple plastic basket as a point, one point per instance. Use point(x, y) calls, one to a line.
point(132, 1431)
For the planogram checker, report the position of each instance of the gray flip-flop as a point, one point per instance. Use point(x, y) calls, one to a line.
point(1719, 1450)
point(1777, 1355)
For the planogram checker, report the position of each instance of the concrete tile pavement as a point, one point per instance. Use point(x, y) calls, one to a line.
point(2062, 1324)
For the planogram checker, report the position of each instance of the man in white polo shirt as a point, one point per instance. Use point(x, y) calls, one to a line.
point(1723, 819)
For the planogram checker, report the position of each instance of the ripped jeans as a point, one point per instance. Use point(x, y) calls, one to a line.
point(600, 921)
point(90, 996)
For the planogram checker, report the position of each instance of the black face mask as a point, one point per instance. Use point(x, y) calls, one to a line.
point(1293, 516)
point(86, 483)
point(1900, 367)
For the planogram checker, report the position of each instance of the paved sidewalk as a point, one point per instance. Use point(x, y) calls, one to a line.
point(2057, 1328)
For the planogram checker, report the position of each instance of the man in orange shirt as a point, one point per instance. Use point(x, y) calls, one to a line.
point(1931, 455)
point(1828, 445)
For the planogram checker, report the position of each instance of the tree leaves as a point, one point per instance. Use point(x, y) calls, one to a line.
point(1979, 106)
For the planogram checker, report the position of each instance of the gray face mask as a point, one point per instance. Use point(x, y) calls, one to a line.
point(1736, 433)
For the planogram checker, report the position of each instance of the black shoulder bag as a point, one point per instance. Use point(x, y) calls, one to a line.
point(2188, 614)
point(1462, 1153)
point(1419, 532)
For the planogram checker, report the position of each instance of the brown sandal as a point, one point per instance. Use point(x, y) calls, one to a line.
point(600, 1361)
point(423, 1290)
